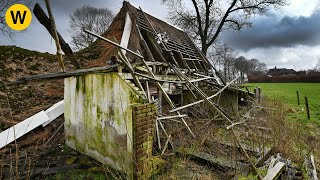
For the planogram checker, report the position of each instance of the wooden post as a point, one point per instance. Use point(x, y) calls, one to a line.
point(159, 100)
point(55, 37)
point(259, 94)
point(45, 21)
point(148, 91)
point(298, 99)
point(307, 106)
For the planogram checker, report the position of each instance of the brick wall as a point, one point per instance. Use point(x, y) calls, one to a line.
point(144, 120)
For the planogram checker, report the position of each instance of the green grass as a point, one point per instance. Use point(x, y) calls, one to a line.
point(286, 93)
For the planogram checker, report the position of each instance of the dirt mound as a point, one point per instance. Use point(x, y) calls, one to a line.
point(27, 99)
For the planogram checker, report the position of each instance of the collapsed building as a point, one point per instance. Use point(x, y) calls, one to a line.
point(153, 95)
point(151, 82)
point(115, 117)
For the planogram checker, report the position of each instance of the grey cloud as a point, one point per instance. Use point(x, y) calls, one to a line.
point(37, 38)
point(300, 57)
point(271, 32)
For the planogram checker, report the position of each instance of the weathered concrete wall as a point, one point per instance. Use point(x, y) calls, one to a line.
point(98, 118)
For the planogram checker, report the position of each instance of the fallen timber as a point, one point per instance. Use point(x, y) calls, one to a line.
point(62, 75)
point(208, 159)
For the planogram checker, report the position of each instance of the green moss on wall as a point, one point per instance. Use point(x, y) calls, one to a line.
point(106, 118)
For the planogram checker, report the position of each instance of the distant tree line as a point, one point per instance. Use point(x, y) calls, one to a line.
point(311, 75)
point(230, 65)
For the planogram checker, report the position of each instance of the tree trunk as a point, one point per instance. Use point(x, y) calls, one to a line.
point(204, 48)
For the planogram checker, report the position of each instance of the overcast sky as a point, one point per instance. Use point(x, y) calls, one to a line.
point(289, 37)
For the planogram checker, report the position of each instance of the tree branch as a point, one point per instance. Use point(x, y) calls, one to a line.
point(195, 4)
point(222, 22)
point(239, 26)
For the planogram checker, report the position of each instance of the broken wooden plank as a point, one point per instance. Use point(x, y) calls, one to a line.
point(208, 98)
point(148, 92)
point(230, 145)
point(217, 162)
point(165, 132)
point(55, 36)
point(126, 33)
point(45, 21)
point(234, 124)
point(54, 112)
point(200, 79)
point(274, 172)
point(22, 128)
point(314, 169)
point(61, 75)
point(42, 118)
point(172, 117)
point(164, 78)
point(56, 132)
point(190, 59)
point(155, 63)
point(311, 167)
point(55, 170)
point(158, 135)
point(264, 156)
point(158, 80)
point(161, 78)
point(166, 145)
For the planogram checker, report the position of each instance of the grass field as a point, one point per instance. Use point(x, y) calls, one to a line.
point(286, 93)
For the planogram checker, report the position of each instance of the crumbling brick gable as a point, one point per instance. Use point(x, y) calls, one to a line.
point(144, 120)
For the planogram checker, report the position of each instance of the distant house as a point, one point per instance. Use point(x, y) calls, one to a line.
point(280, 71)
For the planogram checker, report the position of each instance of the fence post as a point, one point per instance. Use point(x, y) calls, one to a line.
point(307, 107)
point(259, 94)
point(298, 98)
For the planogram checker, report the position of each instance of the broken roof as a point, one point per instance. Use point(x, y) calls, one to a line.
point(155, 32)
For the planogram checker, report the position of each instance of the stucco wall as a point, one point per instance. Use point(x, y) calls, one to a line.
point(98, 118)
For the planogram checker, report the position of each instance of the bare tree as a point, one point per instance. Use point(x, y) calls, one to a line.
point(207, 18)
point(256, 67)
point(4, 5)
point(242, 65)
point(93, 19)
point(250, 67)
point(225, 55)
